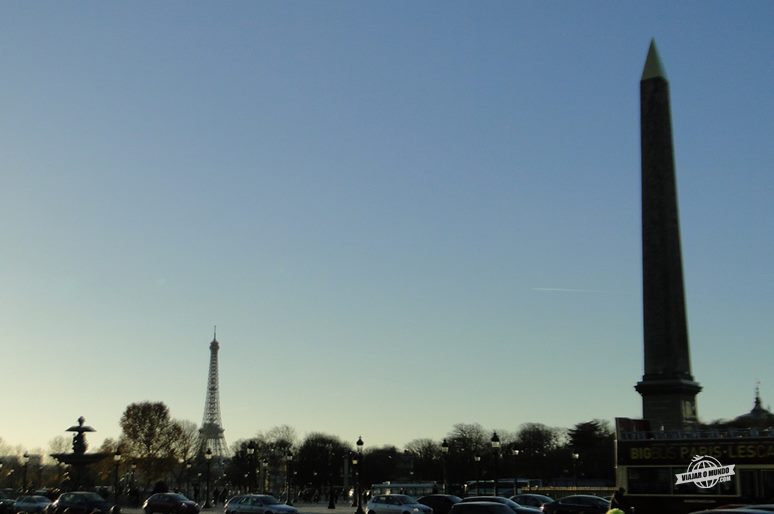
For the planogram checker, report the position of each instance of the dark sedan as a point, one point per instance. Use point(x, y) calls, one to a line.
point(577, 504)
point(736, 510)
point(31, 504)
point(170, 503)
point(440, 503)
point(6, 503)
point(515, 507)
point(531, 499)
point(480, 508)
point(79, 502)
point(257, 504)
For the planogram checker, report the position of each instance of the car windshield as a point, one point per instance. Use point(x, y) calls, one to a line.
point(269, 500)
point(178, 496)
point(481, 507)
point(93, 497)
point(496, 499)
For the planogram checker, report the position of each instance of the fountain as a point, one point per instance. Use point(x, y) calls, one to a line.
point(79, 460)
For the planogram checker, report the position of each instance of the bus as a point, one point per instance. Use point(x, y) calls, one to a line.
point(415, 489)
point(505, 486)
point(688, 470)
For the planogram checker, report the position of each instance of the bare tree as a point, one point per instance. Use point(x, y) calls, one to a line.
point(187, 445)
point(282, 436)
point(59, 444)
point(427, 455)
point(469, 438)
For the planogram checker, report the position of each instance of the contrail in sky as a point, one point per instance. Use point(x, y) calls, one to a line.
point(566, 290)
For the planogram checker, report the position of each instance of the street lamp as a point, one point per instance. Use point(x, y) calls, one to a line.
point(26, 459)
point(288, 461)
point(515, 453)
point(496, 450)
point(329, 477)
point(353, 458)
point(181, 470)
point(575, 456)
point(444, 457)
point(477, 459)
point(132, 482)
point(208, 458)
point(117, 461)
point(265, 466)
point(250, 457)
point(359, 463)
point(188, 479)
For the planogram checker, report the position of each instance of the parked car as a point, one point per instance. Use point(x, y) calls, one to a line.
point(735, 510)
point(257, 504)
point(440, 503)
point(532, 500)
point(31, 504)
point(480, 508)
point(576, 504)
point(515, 507)
point(79, 502)
point(170, 503)
point(396, 504)
point(6, 503)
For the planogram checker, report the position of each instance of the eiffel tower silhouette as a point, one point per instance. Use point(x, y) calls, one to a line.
point(211, 432)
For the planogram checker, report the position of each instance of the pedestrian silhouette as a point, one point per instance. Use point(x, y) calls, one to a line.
point(618, 501)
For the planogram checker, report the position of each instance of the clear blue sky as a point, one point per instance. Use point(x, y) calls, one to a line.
point(400, 215)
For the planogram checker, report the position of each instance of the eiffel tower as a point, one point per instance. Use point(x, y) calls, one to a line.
point(211, 432)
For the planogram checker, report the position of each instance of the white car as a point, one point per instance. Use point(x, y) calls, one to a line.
point(396, 504)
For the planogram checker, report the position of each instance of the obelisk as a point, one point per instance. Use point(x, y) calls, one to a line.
point(667, 387)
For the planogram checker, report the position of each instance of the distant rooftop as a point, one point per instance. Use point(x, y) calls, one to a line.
point(706, 433)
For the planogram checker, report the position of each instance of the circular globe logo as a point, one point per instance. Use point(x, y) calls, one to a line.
point(705, 471)
point(705, 465)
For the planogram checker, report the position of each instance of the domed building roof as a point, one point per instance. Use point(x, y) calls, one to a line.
point(757, 417)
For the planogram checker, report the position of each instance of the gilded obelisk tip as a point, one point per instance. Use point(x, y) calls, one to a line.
point(653, 67)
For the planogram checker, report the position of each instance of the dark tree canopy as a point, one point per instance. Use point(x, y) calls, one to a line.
point(320, 459)
point(427, 456)
point(593, 442)
point(149, 437)
point(148, 430)
point(155, 442)
point(589, 434)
